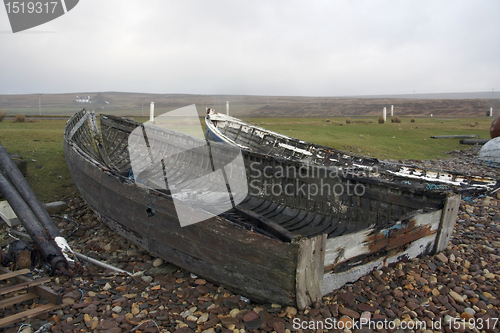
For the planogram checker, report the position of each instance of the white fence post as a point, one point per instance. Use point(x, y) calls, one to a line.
point(152, 111)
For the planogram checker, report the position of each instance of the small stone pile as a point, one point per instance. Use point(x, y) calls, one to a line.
point(457, 290)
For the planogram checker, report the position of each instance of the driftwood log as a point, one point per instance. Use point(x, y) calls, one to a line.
point(474, 141)
point(454, 136)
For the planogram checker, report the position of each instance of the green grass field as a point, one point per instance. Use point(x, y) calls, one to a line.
point(40, 142)
point(405, 140)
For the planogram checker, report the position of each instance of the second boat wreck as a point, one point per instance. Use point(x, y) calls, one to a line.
point(233, 131)
point(289, 247)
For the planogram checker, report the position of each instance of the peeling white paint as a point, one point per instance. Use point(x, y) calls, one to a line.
point(435, 177)
point(65, 249)
point(334, 281)
point(343, 248)
point(302, 151)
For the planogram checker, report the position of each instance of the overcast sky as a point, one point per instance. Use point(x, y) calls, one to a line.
point(259, 47)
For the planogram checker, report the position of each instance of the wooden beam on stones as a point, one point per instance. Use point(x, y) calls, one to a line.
point(42, 291)
point(310, 270)
point(448, 217)
point(27, 314)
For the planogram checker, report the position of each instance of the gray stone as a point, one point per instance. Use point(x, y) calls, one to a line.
point(55, 207)
point(147, 278)
point(117, 309)
point(253, 324)
point(158, 262)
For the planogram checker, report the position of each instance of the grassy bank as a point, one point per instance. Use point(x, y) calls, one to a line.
point(405, 140)
point(40, 142)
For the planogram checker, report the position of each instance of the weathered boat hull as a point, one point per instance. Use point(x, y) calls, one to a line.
point(244, 261)
point(298, 271)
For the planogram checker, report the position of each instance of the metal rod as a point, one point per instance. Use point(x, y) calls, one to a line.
point(100, 263)
point(78, 255)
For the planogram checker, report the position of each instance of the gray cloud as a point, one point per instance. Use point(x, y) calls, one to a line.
point(327, 48)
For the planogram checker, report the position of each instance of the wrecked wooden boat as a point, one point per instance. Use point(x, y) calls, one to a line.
point(230, 130)
point(291, 246)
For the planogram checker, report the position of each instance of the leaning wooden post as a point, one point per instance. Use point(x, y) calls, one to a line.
point(310, 270)
point(448, 218)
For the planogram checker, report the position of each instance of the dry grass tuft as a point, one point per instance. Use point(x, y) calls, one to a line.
point(395, 119)
point(20, 118)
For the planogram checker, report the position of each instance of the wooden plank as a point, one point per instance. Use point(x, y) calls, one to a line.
point(42, 291)
point(370, 241)
point(13, 274)
point(27, 314)
point(244, 284)
point(266, 224)
point(24, 285)
point(310, 269)
point(334, 281)
point(5, 303)
point(448, 218)
point(249, 263)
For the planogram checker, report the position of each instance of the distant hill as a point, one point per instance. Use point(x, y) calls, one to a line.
point(135, 104)
point(461, 95)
